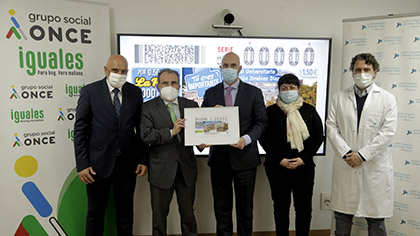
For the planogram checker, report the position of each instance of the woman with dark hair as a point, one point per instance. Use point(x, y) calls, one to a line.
point(292, 137)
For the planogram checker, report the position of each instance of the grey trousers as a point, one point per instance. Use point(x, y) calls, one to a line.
point(343, 223)
point(161, 199)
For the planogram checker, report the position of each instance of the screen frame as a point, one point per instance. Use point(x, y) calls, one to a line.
point(328, 72)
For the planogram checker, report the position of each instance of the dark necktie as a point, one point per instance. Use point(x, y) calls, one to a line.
point(117, 104)
point(228, 97)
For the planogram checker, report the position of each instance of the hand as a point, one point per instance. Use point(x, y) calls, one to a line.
point(353, 160)
point(203, 145)
point(240, 144)
point(178, 126)
point(141, 170)
point(292, 163)
point(217, 105)
point(85, 175)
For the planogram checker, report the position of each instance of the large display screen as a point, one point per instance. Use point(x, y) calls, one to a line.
point(197, 59)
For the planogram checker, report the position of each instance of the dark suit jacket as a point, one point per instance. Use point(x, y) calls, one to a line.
point(99, 134)
point(166, 151)
point(274, 139)
point(252, 118)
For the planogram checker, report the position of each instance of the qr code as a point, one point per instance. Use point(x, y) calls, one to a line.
point(168, 54)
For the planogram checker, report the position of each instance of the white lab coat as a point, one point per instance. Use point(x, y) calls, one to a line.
point(367, 190)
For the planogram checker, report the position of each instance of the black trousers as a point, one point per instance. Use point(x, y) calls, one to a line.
point(284, 183)
point(243, 183)
point(123, 183)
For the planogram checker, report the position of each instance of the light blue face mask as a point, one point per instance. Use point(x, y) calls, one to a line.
point(289, 96)
point(229, 75)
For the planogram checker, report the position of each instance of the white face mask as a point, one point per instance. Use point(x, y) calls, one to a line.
point(363, 80)
point(229, 75)
point(169, 93)
point(289, 96)
point(116, 80)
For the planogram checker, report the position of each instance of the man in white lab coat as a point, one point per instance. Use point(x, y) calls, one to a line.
point(361, 123)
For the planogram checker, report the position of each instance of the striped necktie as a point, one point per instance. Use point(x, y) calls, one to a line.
point(117, 104)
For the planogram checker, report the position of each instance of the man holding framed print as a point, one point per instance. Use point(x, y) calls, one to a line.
point(173, 167)
point(236, 163)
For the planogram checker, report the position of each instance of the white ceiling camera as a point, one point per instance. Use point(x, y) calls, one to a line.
point(228, 19)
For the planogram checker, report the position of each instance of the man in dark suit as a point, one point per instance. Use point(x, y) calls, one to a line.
point(238, 162)
point(108, 148)
point(173, 166)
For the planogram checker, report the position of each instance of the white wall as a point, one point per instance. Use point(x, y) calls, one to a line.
point(280, 18)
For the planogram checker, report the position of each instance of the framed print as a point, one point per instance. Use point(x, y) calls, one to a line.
point(211, 125)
